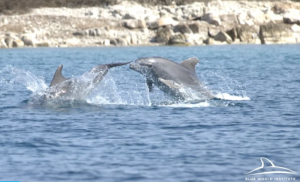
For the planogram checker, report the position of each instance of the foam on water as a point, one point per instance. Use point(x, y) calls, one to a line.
point(200, 104)
point(109, 93)
point(226, 96)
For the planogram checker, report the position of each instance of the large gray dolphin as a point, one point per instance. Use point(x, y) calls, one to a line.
point(176, 79)
point(77, 88)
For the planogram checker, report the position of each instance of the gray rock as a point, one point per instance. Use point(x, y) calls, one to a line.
point(134, 39)
point(113, 42)
point(276, 33)
point(9, 42)
point(229, 18)
point(163, 13)
point(242, 17)
point(248, 34)
point(12, 40)
point(292, 19)
point(259, 17)
point(92, 32)
point(42, 44)
point(97, 32)
point(127, 38)
point(223, 37)
point(169, 9)
point(2, 43)
point(212, 18)
point(134, 24)
point(209, 41)
point(164, 21)
point(199, 27)
point(131, 24)
point(178, 39)
point(233, 34)
point(88, 13)
point(81, 33)
point(118, 42)
point(213, 30)
point(128, 16)
point(277, 9)
point(102, 32)
point(182, 28)
point(152, 25)
point(163, 34)
point(121, 42)
point(29, 40)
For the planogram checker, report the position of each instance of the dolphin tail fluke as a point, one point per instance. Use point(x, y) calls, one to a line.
point(116, 64)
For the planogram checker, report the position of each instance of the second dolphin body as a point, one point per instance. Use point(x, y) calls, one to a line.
point(77, 88)
point(171, 77)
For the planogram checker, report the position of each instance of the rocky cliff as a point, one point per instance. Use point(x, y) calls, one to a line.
point(130, 23)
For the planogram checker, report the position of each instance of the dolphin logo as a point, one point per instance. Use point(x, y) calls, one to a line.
point(271, 167)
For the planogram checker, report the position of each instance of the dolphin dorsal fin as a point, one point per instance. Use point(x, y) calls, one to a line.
point(58, 77)
point(266, 162)
point(190, 64)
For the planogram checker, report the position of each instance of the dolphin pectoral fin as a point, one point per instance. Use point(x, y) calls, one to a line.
point(190, 64)
point(58, 77)
point(150, 85)
point(170, 83)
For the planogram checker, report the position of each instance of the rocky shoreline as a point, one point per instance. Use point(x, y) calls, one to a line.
point(129, 23)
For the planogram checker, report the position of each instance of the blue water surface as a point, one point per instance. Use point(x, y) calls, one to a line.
point(123, 133)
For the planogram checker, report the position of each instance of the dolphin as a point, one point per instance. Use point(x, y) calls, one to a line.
point(172, 78)
point(267, 167)
point(77, 88)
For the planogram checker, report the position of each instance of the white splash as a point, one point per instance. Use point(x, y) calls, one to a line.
point(108, 93)
point(225, 96)
point(191, 105)
point(14, 75)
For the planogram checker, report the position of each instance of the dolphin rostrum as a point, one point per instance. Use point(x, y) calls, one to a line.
point(78, 88)
point(175, 79)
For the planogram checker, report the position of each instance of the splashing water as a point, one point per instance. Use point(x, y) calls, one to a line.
point(12, 75)
point(109, 93)
point(226, 88)
point(225, 96)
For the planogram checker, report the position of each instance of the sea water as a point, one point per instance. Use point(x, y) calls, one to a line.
point(121, 132)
